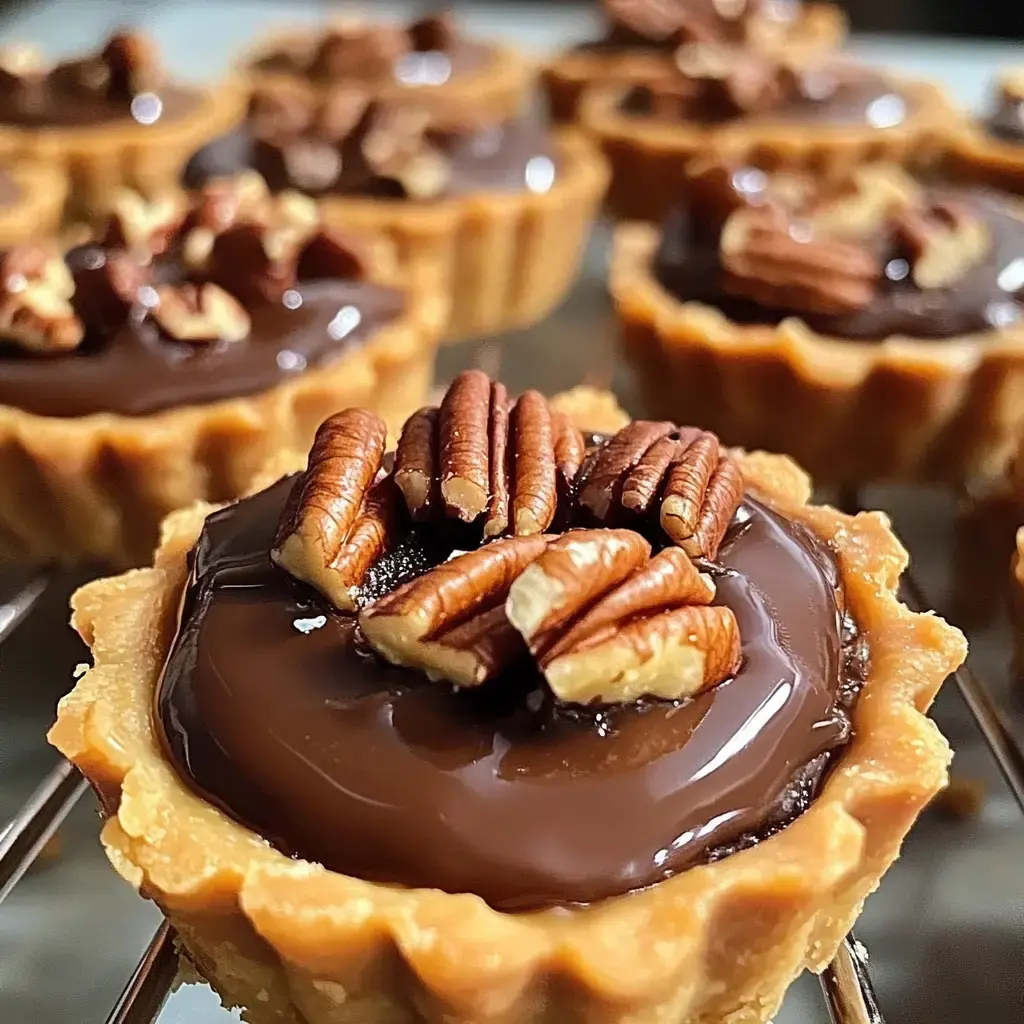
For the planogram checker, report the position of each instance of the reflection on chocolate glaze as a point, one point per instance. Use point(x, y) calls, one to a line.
point(272, 709)
point(988, 295)
point(509, 157)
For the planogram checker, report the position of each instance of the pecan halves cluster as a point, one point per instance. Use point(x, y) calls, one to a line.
point(685, 20)
point(36, 313)
point(943, 241)
point(680, 478)
point(603, 620)
point(343, 512)
point(481, 457)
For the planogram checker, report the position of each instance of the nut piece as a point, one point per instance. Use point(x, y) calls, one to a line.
point(732, 81)
point(340, 516)
point(864, 202)
point(106, 285)
point(143, 225)
point(535, 495)
point(396, 147)
point(200, 314)
point(778, 263)
point(416, 469)
point(353, 49)
point(702, 492)
point(672, 655)
point(944, 240)
point(464, 440)
point(570, 449)
point(451, 621)
point(35, 314)
point(256, 264)
point(434, 32)
point(576, 568)
point(133, 64)
point(500, 467)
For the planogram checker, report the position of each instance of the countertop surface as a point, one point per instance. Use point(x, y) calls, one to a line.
point(945, 930)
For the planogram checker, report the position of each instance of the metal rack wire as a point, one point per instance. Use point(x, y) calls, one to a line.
point(846, 984)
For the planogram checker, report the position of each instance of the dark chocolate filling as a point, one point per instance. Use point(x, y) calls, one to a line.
point(136, 369)
point(509, 157)
point(272, 708)
point(59, 101)
point(843, 95)
point(989, 295)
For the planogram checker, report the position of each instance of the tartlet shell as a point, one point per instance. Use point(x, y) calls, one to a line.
point(95, 488)
point(505, 259)
point(566, 78)
point(648, 156)
point(847, 411)
point(296, 944)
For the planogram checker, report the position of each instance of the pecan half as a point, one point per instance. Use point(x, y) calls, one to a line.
point(653, 634)
point(732, 81)
point(464, 428)
point(254, 263)
point(354, 49)
point(776, 262)
point(35, 311)
point(200, 314)
point(416, 463)
point(451, 621)
point(574, 570)
point(106, 285)
point(944, 240)
point(396, 147)
point(223, 202)
point(144, 225)
point(679, 474)
point(434, 32)
point(343, 512)
point(133, 64)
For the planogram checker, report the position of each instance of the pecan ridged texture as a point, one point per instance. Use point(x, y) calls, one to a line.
point(679, 477)
point(344, 512)
point(943, 241)
point(481, 457)
point(36, 313)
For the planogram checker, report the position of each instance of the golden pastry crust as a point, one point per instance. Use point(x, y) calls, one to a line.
point(648, 156)
point(95, 488)
point(297, 944)
point(973, 155)
point(499, 90)
point(98, 159)
point(506, 259)
point(897, 409)
point(39, 206)
point(565, 79)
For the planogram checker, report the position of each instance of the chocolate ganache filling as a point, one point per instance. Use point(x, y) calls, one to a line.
point(260, 321)
point(986, 293)
point(272, 707)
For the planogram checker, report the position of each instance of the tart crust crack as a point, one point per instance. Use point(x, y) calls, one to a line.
point(297, 943)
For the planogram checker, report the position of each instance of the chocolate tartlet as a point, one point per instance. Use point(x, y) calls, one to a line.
point(428, 59)
point(164, 363)
point(886, 314)
point(991, 149)
point(496, 641)
point(642, 36)
point(107, 120)
point(497, 211)
point(775, 110)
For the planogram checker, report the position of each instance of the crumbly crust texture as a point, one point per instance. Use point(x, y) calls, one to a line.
point(95, 488)
point(972, 154)
point(498, 91)
point(648, 156)
point(99, 159)
point(822, 27)
point(506, 259)
point(296, 944)
point(898, 409)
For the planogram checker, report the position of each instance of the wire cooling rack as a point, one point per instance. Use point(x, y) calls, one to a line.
point(846, 985)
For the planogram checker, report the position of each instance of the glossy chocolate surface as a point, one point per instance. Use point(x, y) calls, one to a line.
point(989, 295)
point(272, 709)
point(136, 369)
point(509, 157)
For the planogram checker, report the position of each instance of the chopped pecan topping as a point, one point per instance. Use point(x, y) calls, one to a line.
point(685, 20)
point(132, 63)
point(147, 226)
point(223, 202)
point(732, 81)
point(255, 263)
point(861, 204)
point(397, 147)
point(451, 621)
point(576, 568)
point(35, 311)
point(652, 634)
point(435, 32)
point(482, 456)
point(107, 285)
point(681, 475)
point(943, 241)
point(776, 262)
point(200, 314)
point(343, 513)
point(280, 110)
